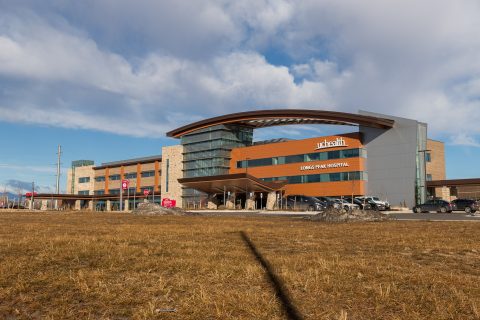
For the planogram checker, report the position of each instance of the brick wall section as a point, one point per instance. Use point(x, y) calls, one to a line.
point(437, 165)
point(175, 171)
point(80, 172)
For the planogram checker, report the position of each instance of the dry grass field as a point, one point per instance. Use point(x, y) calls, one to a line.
point(120, 266)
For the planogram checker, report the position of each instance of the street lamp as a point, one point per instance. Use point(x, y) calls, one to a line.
point(246, 181)
point(424, 170)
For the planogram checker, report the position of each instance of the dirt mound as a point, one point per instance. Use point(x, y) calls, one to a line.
point(153, 209)
point(349, 216)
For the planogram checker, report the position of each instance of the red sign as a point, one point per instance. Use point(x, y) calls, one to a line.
point(146, 192)
point(125, 184)
point(29, 194)
point(169, 203)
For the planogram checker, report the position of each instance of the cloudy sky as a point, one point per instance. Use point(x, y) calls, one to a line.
point(107, 78)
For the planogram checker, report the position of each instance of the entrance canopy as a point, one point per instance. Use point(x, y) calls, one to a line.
point(238, 182)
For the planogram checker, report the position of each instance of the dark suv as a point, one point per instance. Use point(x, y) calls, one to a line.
point(434, 205)
point(467, 205)
point(305, 203)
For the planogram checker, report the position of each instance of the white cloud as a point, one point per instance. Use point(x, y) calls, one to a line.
point(464, 139)
point(158, 64)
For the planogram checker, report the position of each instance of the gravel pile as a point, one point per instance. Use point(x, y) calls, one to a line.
point(153, 209)
point(349, 216)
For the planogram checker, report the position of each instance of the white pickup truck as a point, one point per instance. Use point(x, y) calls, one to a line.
point(381, 205)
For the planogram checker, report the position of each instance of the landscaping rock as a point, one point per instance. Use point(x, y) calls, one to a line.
point(153, 209)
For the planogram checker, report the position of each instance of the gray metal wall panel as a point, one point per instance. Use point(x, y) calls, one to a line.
point(391, 160)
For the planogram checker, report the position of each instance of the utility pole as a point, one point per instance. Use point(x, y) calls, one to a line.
point(32, 206)
point(57, 188)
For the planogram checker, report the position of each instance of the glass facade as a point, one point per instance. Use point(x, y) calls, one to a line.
point(317, 156)
point(421, 176)
point(206, 152)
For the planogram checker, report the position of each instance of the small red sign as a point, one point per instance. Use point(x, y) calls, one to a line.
point(168, 203)
point(146, 192)
point(29, 194)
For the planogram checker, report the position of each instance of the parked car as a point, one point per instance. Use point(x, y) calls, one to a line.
point(305, 203)
point(347, 205)
point(467, 205)
point(379, 204)
point(361, 204)
point(434, 205)
point(329, 202)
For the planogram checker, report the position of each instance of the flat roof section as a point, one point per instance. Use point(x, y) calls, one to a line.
point(238, 182)
point(278, 117)
point(129, 162)
point(454, 182)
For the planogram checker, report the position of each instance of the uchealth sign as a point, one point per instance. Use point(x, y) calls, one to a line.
point(325, 144)
point(324, 166)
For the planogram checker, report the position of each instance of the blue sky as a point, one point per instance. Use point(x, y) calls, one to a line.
point(107, 79)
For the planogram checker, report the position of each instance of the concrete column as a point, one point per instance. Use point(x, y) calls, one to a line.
point(44, 205)
point(126, 206)
point(250, 202)
point(109, 205)
point(78, 204)
point(230, 201)
point(271, 199)
point(90, 205)
point(212, 202)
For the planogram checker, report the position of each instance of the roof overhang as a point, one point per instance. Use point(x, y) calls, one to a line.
point(71, 197)
point(454, 183)
point(269, 118)
point(237, 182)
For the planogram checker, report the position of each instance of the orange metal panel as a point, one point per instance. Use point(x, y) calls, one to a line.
point(338, 188)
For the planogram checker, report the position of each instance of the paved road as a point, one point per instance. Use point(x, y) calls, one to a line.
point(457, 216)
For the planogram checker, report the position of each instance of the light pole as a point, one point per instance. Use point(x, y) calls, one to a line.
point(424, 172)
point(246, 182)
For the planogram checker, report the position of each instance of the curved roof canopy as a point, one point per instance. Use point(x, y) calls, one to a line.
point(269, 118)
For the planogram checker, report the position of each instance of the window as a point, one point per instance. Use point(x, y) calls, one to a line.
point(149, 188)
point(131, 175)
point(114, 177)
point(99, 192)
point(146, 174)
point(428, 157)
point(114, 191)
point(323, 177)
point(167, 175)
point(99, 178)
point(429, 177)
point(84, 192)
point(83, 179)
